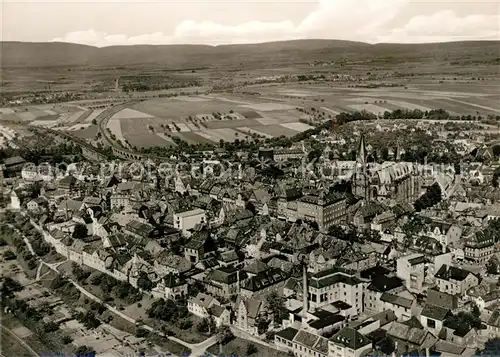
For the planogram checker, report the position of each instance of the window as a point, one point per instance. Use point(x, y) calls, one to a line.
point(431, 323)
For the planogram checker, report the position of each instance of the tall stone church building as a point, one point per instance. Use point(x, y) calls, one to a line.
point(391, 180)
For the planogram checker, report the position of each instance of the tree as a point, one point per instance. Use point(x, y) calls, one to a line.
point(185, 324)
point(80, 231)
point(50, 327)
point(276, 305)
point(225, 335)
point(141, 332)
point(251, 349)
point(66, 339)
point(85, 351)
point(206, 325)
point(9, 255)
point(491, 348)
point(9, 287)
point(143, 282)
point(94, 121)
point(492, 267)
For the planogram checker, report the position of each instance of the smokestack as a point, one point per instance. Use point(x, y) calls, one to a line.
point(238, 282)
point(305, 293)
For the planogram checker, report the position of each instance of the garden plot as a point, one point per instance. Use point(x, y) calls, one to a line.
point(94, 115)
point(408, 106)
point(372, 108)
point(145, 140)
point(27, 116)
point(44, 123)
point(299, 93)
point(223, 99)
point(225, 134)
point(192, 127)
point(297, 126)
point(197, 137)
point(6, 111)
point(250, 114)
point(166, 138)
point(478, 106)
point(128, 113)
point(88, 133)
point(267, 121)
point(207, 136)
point(205, 117)
point(276, 130)
point(75, 116)
point(191, 99)
point(253, 131)
point(184, 128)
point(220, 124)
point(331, 111)
point(78, 127)
point(266, 107)
point(114, 125)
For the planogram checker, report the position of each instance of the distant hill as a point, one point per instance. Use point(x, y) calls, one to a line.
point(56, 54)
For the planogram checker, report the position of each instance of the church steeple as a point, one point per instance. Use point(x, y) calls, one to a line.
point(361, 169)
point(361, 153)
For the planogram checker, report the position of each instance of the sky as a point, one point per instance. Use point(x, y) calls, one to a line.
point(214, 22)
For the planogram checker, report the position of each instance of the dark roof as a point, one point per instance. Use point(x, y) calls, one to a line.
point(417, 260)
point(327, 321)
point(291, 194)
point(256, 267)
point(413, 322)
point(452, 273)
point(372, 272)
point(435, 312)
point(15, 160)
point(226, 275)
point(350, 338)
point(438, 298)
point(263, 280)
point(384, 283)
point(341, 305)
point(396, 300)
point(288, 334)
point(331, 277)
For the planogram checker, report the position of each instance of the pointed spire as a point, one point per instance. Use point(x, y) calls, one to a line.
point(361, 154)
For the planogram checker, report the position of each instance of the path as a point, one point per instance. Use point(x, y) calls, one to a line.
point(249, 337)
point(20, 341)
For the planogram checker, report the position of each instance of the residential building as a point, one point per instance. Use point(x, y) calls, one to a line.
point(201, 305)
point(348, 343)
point(479, 248)
point(454, 280)
point(333, 285)
point(412, 269)
point(187, 220)
point(433, 317)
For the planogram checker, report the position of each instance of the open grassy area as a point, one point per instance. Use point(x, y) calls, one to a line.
point(238, 347)
point(10, 347)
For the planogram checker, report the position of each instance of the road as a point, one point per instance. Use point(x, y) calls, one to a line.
point(20, 341)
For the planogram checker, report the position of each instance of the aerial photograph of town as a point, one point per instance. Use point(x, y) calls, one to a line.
point(316, 178)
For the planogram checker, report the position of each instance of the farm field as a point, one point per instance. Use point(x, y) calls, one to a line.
point(269, 111)
point(203, 119)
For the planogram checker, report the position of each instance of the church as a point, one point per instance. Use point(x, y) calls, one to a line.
point(391, 180)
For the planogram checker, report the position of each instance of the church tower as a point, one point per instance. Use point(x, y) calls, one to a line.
point(360, 174)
